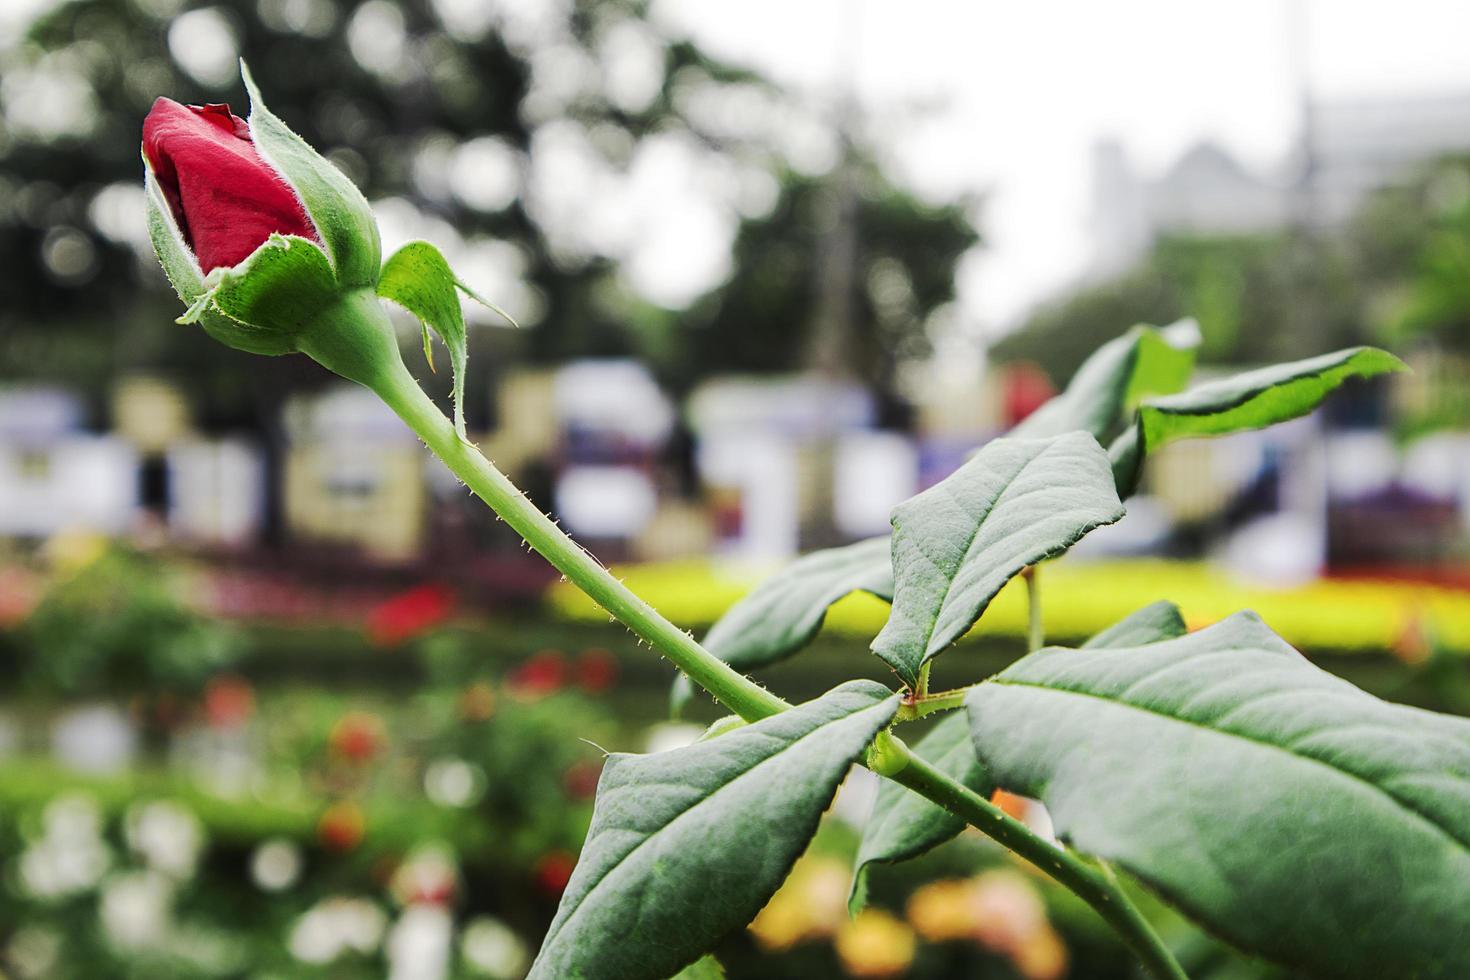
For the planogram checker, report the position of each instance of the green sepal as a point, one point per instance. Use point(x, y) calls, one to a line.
point(418, 278)
point(282, 287)
point(335, 205)
point(182, 270)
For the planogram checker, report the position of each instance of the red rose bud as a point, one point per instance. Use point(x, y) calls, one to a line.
point(272, 249)
point(226, 200)
point(275, 251)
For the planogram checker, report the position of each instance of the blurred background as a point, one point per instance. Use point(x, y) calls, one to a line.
point(280, 699)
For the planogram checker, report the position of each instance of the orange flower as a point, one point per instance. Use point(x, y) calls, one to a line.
point(357, 736)
point(341, 827)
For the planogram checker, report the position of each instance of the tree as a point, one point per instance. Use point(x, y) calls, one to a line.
point(430, 105)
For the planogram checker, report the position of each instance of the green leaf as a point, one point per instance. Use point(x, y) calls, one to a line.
point(704, 968)
point(418, 278)
point(1284, 809)
point(182, 270)
point(1110, 383)
point(955, 545)
point(786, 611)
point(337, 208)
point(1253, 400)
point(905, 824)
point(687, 845)
point(1152, 623)
point(282, 287)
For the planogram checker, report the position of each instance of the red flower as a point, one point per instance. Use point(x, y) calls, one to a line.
point(341, 827)
point(553, 870)
point(357, 736)
point(228, 701)
point(409, 614)
point(224, 197)
point(545, 673)
point(596, 670)
point(580, 780)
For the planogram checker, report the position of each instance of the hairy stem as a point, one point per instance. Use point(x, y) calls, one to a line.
point(1100, 891)
point(742, 695)
point(739, 693)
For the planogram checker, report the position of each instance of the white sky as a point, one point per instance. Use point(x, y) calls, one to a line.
point(1010, 97)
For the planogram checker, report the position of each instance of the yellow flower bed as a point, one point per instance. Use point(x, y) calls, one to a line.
point(1079, 598)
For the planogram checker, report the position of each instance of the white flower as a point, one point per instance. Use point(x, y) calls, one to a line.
point(135, 908)
point(335, 925)
point(489, 946)
point(32, 952)
point(276, 864)
point(428, 874)
point(70, 856)
point(167, 835)
point(71, 817)
point(453, 782)
point(418, 946)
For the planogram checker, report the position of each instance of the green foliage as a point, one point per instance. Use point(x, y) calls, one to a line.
point(1253, 400)
point(787, 304)
point(120, 623)
point(704, 968)
point(1159, 621)
point(1342, 852)
point(786, 612)
point(1256, 298)
point(1260, 398)
point(653, 889)
point(1110, 383)
point(904, 824)
point(1283, 808)
point(1016, 502)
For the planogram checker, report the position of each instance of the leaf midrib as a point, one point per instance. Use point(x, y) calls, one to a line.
point(587, 897)
point(979, 524)
point(1462, 843)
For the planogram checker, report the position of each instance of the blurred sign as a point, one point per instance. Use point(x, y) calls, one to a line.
point(76, 481)
point(752, 483)
point(149, 413)
point(217, 491)
point(610, 409)
point(873, 472)
point(605, 501)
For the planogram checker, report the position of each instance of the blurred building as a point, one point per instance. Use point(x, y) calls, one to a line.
point(1346, 150)
point(54, 475)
